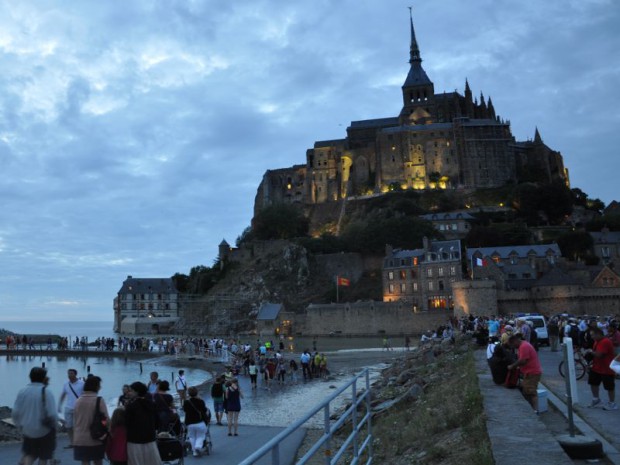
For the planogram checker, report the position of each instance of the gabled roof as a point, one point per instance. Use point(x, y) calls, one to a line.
point(148, 286)
point(522, 251)
point(557, 277)
point(269, 311)
point(436, 247)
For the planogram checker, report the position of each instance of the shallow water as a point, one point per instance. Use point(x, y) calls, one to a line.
point(114, 372)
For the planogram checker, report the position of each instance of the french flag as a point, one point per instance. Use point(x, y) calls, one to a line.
point(481, 262)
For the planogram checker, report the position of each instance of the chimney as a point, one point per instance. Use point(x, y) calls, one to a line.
point(425, 244)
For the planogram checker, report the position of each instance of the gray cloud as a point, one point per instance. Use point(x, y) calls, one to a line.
point(133, 135)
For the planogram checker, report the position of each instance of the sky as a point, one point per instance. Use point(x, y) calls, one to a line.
point(134, 134)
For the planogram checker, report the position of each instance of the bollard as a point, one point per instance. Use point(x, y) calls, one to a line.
point(140, 367)
point(43, 365)
point(88, 369)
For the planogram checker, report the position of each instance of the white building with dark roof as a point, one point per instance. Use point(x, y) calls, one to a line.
point(146, 306)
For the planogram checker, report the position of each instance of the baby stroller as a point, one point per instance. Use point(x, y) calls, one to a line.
point(171, 449)
point(171, 444)
point(207, 445)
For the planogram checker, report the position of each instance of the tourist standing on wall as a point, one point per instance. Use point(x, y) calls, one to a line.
point(233, 406)
point(141, 422)
point(72, 390)
point(529, 364)
point(86, 449)
point(181, 386)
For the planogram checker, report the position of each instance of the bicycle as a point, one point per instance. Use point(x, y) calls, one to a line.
point(582, 365)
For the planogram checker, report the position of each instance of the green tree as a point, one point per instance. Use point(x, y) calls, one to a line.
point(280, 221)
point(576, 245)
point(498, 235)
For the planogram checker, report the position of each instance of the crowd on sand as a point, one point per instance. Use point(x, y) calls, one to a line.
point(513, 343)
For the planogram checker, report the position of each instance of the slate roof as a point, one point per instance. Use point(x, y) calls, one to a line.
point(557, 277)
point(416, 76)
point(610, 237)
point(269, 311)
point(420, 127)
point(447, 216)
point(522, 251)
point(148, 286)
point(328, 143)
point(436, 247)
point(374, 123)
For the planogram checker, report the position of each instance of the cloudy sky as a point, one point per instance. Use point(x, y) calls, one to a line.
point(133, 134)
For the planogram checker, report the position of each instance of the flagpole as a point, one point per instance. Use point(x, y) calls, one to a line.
point(337, 288)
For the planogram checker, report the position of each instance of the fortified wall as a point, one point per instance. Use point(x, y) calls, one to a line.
point(483, 298)
point(369, 319)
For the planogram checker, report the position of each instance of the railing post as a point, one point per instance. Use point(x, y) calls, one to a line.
point(275, 455)
point(368, 410)
point(327, 431)
point(354, 419)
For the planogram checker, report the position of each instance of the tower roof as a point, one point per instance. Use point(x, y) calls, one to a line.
point(416, 76)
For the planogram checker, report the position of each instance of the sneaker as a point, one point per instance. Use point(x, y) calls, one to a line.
point(594, 403)
point(611, 406)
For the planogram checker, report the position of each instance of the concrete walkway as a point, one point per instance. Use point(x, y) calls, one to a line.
point(227, 450)
point(517, 435)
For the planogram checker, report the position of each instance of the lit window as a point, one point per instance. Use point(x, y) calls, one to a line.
point(403, 288)
point(391, 275)
point(391, 288)
point(415, 287)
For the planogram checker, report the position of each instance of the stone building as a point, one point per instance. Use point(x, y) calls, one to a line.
point(513, 265)
point(438, 141)
point(453, 225)
point(422, 277)
point(146, 305)
point(607, 246)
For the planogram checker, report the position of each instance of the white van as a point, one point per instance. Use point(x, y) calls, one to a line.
point(539, 325)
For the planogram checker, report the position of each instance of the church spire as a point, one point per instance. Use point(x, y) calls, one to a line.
point(414, 50)
point(537, 137)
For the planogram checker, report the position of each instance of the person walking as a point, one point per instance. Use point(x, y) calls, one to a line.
point(34, 413)
point(85, 448)
point(197, 419)
point(141, 422)
point(603, 353)
point(553, 329)
point(253, 372)
point(529, 364)
point(72, 390)
point(233, 406)
point(217, 394)
point(181, 386)
point(164, 405)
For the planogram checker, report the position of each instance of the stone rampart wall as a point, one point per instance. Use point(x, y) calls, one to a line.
point(369, 319)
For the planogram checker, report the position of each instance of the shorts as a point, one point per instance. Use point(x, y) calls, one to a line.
point(595, 379)
point(253, 378)
point(530, 384)
point(218, 406)
point(42, 448)
point(68, 418)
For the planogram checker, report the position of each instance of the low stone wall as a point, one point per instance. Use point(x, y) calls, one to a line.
point(369, 319)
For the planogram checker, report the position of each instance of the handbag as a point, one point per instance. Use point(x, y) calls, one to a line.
point(615, 366)
point(47, 421)
point(98, 427)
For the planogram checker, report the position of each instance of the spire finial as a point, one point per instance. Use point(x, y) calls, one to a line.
point(537, 137)
point(414, 50)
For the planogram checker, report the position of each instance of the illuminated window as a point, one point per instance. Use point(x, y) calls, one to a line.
point(415, 287)
point(403, 274)
point(391, 275)
point(403, 288)
point(391, 288)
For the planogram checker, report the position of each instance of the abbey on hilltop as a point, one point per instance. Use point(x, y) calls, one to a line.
point(438, 141)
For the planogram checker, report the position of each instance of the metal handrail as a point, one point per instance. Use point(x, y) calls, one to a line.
point(324, 441)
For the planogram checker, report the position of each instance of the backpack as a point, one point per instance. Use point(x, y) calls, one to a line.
point(98, 427)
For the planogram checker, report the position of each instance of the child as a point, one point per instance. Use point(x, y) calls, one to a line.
point(116, 447)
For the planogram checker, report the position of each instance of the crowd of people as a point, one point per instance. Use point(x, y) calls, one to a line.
point(513, 345)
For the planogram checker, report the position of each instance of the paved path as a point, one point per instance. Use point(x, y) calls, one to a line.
point(606, 423)
point(227, 450)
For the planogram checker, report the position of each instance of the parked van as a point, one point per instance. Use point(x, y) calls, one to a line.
point(539, 325)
